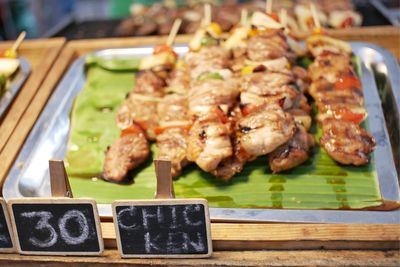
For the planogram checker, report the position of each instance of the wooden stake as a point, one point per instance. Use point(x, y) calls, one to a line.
point(173, 32)
point(315, 16)
point(268, 6)
point(243, 17)
point(18, 42)
point(207, 15)
point(59, 182)
point(165, 186)
point(283, 17)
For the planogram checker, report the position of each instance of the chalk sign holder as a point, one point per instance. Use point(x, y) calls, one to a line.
point(132, 247)
point(67, 210)
point(6, 232)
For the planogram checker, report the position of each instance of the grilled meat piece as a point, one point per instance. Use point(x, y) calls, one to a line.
point(272, 87)
point(178, 81)
point(149, 83)
point(330, 66)
point(268, 45)
point(346, 142)
point(141, 104)
point(172, 145)
point(293, 153)
point(175, 124)
point(209, 141)
point(211, 93)
point(139, 109)
point(264, 129)
point(207, 59)
point(126, 153)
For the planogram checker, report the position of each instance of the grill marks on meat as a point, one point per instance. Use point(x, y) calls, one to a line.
point(268, 45)
point(124, 154)
point(340, 106)
point(209, 141)
point(206, 95)
point(172, 142)
point(346, 142)
point(293, 153)
point(266, 128)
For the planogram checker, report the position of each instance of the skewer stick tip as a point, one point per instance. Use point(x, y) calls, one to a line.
point(315, 16)
point(207, 14)
point(268, 6)
point(174, 31)
point(243, 16)
point(18, 42)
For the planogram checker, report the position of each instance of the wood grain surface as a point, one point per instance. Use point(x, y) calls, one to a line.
point(41, 55)
point(236, 236)
point(222, 258)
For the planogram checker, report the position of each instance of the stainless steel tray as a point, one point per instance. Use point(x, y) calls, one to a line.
point(16, 84)
point(48, 140)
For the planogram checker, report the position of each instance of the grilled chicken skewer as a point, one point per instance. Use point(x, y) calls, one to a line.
point(338, 94)
point(269, 98)
point(213, 93)
point(137, 115)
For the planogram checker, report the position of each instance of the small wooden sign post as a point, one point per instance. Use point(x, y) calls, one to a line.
point(59, 225)
point(165, 227)
point(6, 235)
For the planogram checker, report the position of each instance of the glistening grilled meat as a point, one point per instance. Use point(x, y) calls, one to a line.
point(172, 136)
point(126, 153)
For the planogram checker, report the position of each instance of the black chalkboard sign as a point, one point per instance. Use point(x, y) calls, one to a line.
point(163, 228)
point(6, 237)
point(59, 226)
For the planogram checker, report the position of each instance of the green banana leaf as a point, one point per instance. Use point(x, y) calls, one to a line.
point(320, 183)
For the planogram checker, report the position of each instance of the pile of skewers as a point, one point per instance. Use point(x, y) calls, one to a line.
point(228, 102)
point(158, 18)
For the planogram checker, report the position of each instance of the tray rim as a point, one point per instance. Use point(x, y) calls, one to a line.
point(325, 216)
point(24, 70)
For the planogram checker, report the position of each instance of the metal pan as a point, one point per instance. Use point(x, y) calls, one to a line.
point(16, 84)
point(48, 140)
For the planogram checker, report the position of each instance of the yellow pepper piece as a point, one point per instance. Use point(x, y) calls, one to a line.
point(253, 32)
point(214, 29)
point(10, 53)
point(247, 70)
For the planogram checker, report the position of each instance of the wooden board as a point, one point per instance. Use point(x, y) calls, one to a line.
point(222, 258)
point(255, 236)
point(41, 55)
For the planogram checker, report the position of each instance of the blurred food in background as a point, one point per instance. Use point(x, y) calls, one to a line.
point(80, 19)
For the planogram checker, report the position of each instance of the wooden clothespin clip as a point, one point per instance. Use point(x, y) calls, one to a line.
point(59, 182)
point(165, 186)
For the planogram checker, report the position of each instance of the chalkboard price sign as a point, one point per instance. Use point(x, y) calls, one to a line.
point(6, 237)
point(170, 228)
point(59, 226)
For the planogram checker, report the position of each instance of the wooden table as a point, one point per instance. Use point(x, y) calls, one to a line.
point(41, 55)
point(252, 244)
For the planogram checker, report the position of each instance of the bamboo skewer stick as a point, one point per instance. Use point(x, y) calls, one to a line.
point(268, 6)
point(315, 16)
point(283, 18)
point(243, 17)
point(207, 15)
point(173, 32)
point(18, 42)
